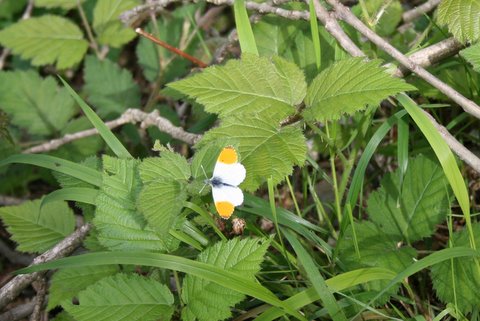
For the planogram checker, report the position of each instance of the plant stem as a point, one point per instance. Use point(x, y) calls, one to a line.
point(90, 36)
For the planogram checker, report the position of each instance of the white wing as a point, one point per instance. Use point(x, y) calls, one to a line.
point(229, 194)
point(231, 174)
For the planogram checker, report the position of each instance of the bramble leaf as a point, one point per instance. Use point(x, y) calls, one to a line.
point(348, 86)
point(462, 18)
point(376, 249)
point(35, 104)
point(66, 283)
point(207, 301)
point(457, 280)
point(251, 84)
point(110, 89)
point(472, 55)
point(123, 298)
point(36, 231)
point(46, 40)
point(119, 225)
point(411, 211)
point(169, 165)
point(265, 150)
point(107, 25)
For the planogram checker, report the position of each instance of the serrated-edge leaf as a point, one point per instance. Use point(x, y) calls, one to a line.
point(472, 55)
point(46, 40)
point(35, 230)
point(251, 84)
point(208, 301)
point(123, 298)
point(462, 18)
point(66, 283)
point(119, 225)
point(349, 86)
point(169, 165)
point(411, 210)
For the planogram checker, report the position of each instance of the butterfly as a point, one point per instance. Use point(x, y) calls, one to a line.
point(228, 173)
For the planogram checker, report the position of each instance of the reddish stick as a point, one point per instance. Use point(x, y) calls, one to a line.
point(165, 45)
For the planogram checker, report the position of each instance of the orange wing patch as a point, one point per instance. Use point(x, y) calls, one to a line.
point(228, 155)
point(225, 209)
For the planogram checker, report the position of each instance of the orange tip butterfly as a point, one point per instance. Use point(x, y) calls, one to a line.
point(227, 175)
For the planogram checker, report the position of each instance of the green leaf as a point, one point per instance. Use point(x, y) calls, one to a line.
point(109, 88)
point(36, 231)
point(456, 280)
point(46, 40)
point(461, 17)
point(472, 55)
point(35, 104)
point(265, 150)
point(412, 210)
point(208, 301)
point(348, 86)
point(161, 203)
point(120, 226)
point(372, 241)
point(169, 165)
point(66, 283)
point(112, 141)
point(107, 25)
point(251, 84)
point(64, 4)
point(123, 298)
point(244, 29)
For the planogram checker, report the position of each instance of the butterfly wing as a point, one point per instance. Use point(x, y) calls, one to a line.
point(226, 198)
point(228, 169)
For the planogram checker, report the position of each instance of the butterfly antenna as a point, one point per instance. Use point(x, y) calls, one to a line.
point(204, 173)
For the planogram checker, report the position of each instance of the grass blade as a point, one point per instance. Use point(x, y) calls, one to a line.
point(315, 34)
point(199, 269)
point(357, 180)
point(115, 145)
point(336, 284)
point(78, 194)
point(316, 279)
point(244, 29)
point(81, 172)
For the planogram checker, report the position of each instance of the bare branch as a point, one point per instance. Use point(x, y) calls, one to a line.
point(129, 116)
point(414, 13)
point(346, 15)
point(19, 312)
point(13, 288)
point(40, 286)
point(9, 200)
point(431, 55)
point(13, 256)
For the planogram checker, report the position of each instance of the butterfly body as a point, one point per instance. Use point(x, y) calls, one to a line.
point(227, 175)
